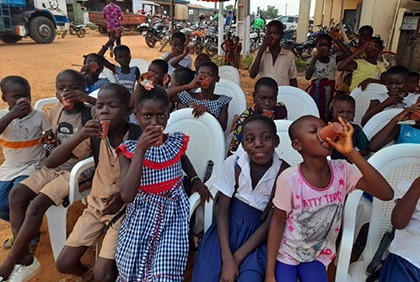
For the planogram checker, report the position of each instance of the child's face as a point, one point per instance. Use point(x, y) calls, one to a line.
point(65, 84)
point(363, 37)
point(14, 92)
point(413, 85)
point(377, 50)
point(177, 45)
point(323, 46)
point(307, 142)
point(206, 70)
point(110, 107)
point(123, 58)
point(275, 33)
point(158, 74)
point(344, 109)
point(265, 98)
point(152, 112)
point(259, 142)
point(396, 84)
point(90, 59)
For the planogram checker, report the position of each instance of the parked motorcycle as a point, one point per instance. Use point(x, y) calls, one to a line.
point(301, 50)
point(256, 37)
point(156, 33)
point(78, 30)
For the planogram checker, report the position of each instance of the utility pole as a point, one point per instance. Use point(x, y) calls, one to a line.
point(285, 9)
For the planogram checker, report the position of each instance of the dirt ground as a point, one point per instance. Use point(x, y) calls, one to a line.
point(40, 64)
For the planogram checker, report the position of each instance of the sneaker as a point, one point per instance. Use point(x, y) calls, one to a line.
point(8, 243)
point(24, 272)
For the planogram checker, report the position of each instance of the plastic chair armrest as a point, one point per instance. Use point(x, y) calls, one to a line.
point(349, 224)
point(77, 170)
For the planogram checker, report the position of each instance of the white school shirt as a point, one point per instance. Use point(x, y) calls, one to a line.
point(406, 243)
point(257, 197)
point(186, 62)
point(21, 144)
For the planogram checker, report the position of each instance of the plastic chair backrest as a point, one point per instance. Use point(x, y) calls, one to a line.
point(237, 105)
point(107, 73)
point(396, 163)
point(41, 103)
point(207, 141)
point(94, 93)
point(230, 73)
point(285, 149)
point(297, 101)
point(378, 121)
point(143, 65)
point(363, 98)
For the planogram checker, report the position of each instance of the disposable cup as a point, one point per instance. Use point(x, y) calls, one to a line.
point(67, 105)
point(205, 82)
point(331, 130)
point(105, 127)
point(268, 113)
point(160, 140)
point(93, 66)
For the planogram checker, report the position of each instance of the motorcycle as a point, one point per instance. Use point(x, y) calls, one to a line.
point(156, 33)
point(301, 50)
point(256, 37)
point(78, 30)
point(211, 42)
point(197, 41)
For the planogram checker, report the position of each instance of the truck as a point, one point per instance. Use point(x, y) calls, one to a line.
point(130, 20)
point(38, 19)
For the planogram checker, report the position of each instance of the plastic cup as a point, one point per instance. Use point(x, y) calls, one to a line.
point(147, 75)
point(268, 113)
point(93, 66)
point(415, 116)
point(160, 140)
point(331, 130)
point(205, 82)
point(105, 127)
point(67, 105)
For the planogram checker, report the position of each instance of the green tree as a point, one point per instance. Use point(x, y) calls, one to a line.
point(271, 12)
point(229, 7)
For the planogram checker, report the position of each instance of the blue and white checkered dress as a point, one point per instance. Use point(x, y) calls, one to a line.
point(153, 239)
point(214, 106)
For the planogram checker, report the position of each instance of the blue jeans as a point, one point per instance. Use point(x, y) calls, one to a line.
point(313, 271)
point(5, 188)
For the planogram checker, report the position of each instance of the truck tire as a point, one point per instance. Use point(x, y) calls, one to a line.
point(102, 30)
point(41, 30)
point(10, 38)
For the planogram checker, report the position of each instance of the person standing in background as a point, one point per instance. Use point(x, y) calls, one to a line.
point(113, 16)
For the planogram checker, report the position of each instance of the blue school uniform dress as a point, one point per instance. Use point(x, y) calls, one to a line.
point(408, 134)
point(126, 79)
point(101, 82)
point(246, 207)
point(153, 239)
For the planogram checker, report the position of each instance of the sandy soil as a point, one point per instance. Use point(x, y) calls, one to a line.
point(40, 64)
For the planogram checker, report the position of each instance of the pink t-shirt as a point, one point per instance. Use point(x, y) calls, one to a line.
point(313, 215)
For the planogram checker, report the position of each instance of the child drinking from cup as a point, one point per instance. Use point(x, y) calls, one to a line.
point(309, 201)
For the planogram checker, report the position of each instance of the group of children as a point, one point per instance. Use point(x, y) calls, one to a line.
point(274, 222)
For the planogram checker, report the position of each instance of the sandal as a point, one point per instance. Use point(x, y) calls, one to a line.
point(8, 243)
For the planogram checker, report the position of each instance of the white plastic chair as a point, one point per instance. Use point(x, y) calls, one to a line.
point(206, 144)
point(143, 65)
point(107, 73)
point(237, 105)
point(363, 98)
point(396, 163)
point(94, 93)
point(285, 149)
point(378, 121)
point(297, 101)
point(57, 215)
point(230, 73)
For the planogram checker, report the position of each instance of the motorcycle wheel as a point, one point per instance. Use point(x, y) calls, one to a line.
point(81, 33)
point(150, 41)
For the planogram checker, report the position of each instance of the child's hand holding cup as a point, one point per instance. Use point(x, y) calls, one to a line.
point(331, 131)
point(268, 113)
point(105, 128)
point(24, 100)
point(160, 139)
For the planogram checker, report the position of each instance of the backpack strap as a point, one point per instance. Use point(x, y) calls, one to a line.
point(86, 114)
point(373, 270)
point(269, 206)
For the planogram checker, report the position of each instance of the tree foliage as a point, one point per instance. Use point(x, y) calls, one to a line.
point(271, 12)
point(229, 7)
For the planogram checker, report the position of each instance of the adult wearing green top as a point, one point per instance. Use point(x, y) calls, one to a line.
point(216, 18)
point(259, 24)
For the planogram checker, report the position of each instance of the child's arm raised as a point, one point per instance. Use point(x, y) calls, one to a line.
point(62, 153)
point(131, 171)
point(372, 181)
point(175, 62)
point(375, 107)
point(197, 184)
point(255, 67)
point(230, 269)
point(348, 64)
point(275, 235)
point(403, 210)
point(173, 91)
